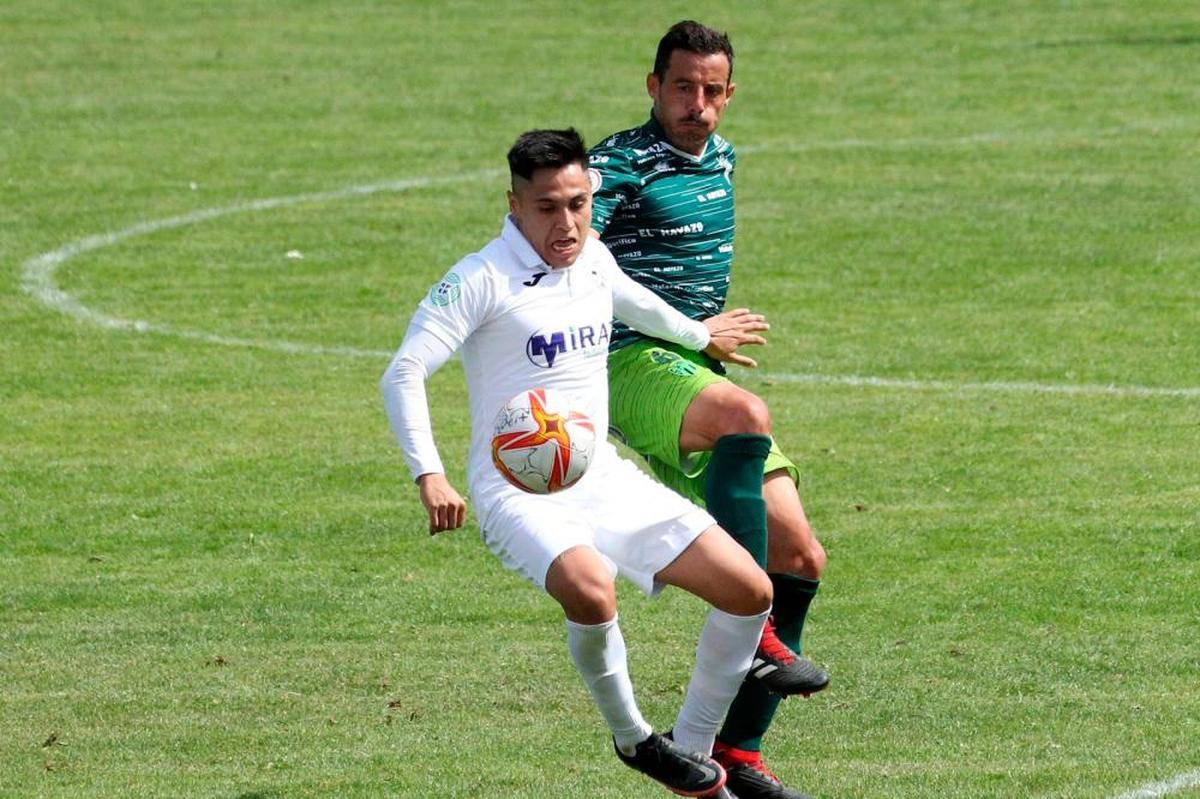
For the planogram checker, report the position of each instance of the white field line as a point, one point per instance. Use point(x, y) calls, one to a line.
point(987, 137)
point(869, 144)
point(38, 274)
point(1154, 790)
point(918, 142)
point(38, 280)
point(991, 386)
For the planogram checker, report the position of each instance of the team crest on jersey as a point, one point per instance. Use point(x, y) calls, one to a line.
point(595, 180)
point(676, 365)
point(447, 291)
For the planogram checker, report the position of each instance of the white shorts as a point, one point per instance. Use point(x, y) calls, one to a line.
point(638, 525)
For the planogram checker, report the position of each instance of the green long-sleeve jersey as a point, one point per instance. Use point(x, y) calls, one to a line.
point(667, 217)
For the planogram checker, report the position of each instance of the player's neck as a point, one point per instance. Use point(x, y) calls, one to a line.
point(677, 146)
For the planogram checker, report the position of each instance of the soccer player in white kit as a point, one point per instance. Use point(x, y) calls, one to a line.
point(534, 308)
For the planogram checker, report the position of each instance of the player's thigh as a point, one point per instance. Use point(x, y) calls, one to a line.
point(529, 532)
point(650, 390)
point(639, 524)
point(721, 572)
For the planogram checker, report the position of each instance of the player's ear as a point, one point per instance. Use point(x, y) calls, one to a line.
point(513, 203)
point(729, 92)
point(652, 85)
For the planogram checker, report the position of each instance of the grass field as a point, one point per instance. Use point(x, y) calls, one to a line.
point(975, 227)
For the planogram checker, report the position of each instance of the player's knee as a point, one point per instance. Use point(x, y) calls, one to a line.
point(807, 559)
point(746, 414)
point(583, 586)
point(589, 600)
point(762, 593)
point(755, 597)
point(811, 562)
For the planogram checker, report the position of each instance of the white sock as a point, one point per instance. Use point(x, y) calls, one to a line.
point(723, 657)
point(599, 654)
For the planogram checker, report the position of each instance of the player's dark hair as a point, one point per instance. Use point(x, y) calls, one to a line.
point(694, 38)
point(539, 149)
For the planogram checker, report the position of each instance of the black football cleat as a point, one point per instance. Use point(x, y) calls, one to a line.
point(749, 777)
point(782, 671)
point(683, 772)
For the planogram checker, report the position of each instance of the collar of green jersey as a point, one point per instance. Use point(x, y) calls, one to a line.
point(656, 129)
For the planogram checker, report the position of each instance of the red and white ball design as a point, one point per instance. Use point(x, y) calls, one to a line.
point(539, 444)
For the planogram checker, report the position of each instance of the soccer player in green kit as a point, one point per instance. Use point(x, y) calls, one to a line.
point(663, 204)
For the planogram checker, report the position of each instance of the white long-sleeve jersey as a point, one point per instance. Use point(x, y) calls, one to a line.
point(519, 324)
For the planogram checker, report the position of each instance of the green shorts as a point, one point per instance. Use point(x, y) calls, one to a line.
point(650, 386)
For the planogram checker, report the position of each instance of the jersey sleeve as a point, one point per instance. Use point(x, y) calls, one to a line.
point(458, 303)
point(445, 318)
point(647, 313)
point(613, 181)
point(404, 399)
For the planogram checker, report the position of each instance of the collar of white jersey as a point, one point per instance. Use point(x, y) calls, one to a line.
point(526, 255)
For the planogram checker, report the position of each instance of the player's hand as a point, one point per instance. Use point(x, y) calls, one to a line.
point(734, 329)
point(447, 510)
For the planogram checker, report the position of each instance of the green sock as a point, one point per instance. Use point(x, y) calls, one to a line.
point(733, 490)
point(793, 595)
point(754, 706)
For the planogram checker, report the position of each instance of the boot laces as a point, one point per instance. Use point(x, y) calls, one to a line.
point(775, 648)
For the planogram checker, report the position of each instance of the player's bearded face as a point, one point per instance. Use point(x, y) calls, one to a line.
point(690, 97)
point(553, 210)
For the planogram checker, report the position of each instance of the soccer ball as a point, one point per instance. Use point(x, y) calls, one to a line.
point(539, 444)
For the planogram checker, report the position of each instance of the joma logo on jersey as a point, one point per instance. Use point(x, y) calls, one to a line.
point(543, 349)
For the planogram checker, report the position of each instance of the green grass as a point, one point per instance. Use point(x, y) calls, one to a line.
point(215, 576)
